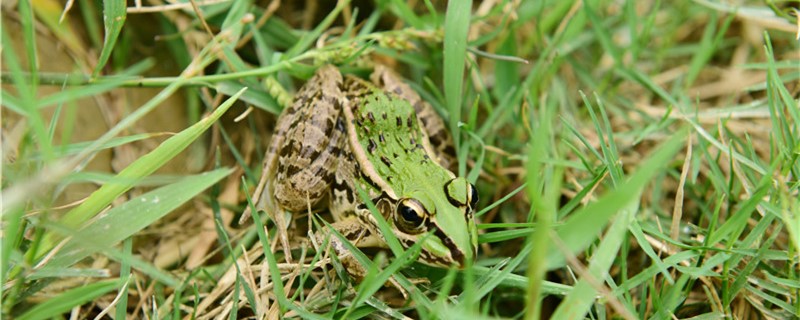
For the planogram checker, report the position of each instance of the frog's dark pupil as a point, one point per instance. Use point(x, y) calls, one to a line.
point(410, 215)
point(473, 199)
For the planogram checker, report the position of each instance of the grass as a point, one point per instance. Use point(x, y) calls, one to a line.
point(634, 159)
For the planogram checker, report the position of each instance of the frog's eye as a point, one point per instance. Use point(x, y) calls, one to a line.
point(410, 216)
point(473, 196)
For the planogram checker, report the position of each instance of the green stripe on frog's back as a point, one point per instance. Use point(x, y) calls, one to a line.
point(389, 133)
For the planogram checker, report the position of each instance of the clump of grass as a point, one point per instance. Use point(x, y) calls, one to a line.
point(634, 159)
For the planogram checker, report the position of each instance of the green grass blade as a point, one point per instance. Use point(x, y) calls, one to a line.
point(114, 16)
point(544, 196)
point(305, 42)
point(254, 96)
point(132, 216)
point(27, 20)
point(383, 225)
point(374, 281)
point(11, 102)
point(511, 280)
point(89, 90)
point(584, 225)
point(456, 27)
point(636, 231)
point(405, 13)
point(75, 148)
point(124, 278)
point(55, 307)
point(274, 272)
point(577, 303)
point(142, 167)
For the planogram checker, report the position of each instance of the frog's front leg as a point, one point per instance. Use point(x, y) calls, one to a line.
point(360, 236)
point(303, 157)
point(356, 233)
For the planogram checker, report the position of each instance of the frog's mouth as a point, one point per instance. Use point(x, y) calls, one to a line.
point(440, 250)
point(442, 253)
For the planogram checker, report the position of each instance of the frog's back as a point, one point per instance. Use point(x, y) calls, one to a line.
point(390, 135)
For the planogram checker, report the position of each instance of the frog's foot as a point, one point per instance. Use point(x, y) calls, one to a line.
point(403, 289)
point(357, 271)
point(393, 282)
point(354, 269)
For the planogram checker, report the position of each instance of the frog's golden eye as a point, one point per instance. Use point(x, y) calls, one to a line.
point(410, 216)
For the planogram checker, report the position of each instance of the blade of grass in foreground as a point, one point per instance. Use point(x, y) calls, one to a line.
point(56, 306)
point(132, 216)
point(456, 28)
point(584, 226)
point(75, 148)
point(274, 271)
point(140, 168)
point(544, 190)
point(308, 39)
point(114, 15)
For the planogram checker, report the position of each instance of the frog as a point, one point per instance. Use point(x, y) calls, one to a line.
point(342, 134)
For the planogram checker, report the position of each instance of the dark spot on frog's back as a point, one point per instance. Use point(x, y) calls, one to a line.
point(330, 176)
point(334, 150)
point(287, 149)
point(292, 170)
point(425, 158)
point(371, 117)
point(399, 121)
point(309, 152)
point(410, 122)
point(449, 150)
point(386, 161)
point(337, 185)
point(290, 110)
point(371, 146)
point(439, 136)
point(325, 125)
point(384, 116)
point(329, 125)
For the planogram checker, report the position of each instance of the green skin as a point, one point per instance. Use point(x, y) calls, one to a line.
point(344, 133)
point(401, 160)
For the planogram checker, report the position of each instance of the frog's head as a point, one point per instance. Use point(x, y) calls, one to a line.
point(446, 212)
